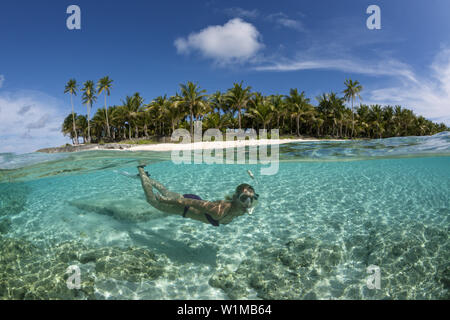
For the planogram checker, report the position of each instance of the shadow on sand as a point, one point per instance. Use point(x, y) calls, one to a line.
point(128, 212)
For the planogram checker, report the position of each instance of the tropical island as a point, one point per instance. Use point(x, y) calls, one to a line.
point(295, 115)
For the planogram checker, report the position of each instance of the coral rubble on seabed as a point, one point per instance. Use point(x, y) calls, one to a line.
point(29, 272)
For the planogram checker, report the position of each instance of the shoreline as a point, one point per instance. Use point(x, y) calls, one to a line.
point(164, 147)
point(206, 145)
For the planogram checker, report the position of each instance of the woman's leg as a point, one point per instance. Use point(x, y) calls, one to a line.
point(148, 184)
point(163, 190)
point(148, 188)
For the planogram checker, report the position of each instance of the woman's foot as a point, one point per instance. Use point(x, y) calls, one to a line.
point(142, 164)
point(146, 172)
point(141, 169)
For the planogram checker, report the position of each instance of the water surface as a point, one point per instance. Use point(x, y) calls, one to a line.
point(332, 210)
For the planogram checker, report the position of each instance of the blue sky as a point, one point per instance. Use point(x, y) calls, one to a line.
point(152, 46)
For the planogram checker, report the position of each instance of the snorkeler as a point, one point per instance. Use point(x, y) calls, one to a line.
point(192, 206)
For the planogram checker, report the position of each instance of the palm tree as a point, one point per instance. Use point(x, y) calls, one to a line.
point(217, 102)
point(325, 109)
point(71, 87)
point(318, 122)
point(119, 119)
point(67, 127)
point(408, 117)
point(104, 85)
point(298, 104)
point(218, 121)
point(338, 110)
point(362, 113)
point(388, 119)
point(98, 125)
point(159, 108)
point(130, 110)
point(238, 98)
point(89, 98)
point(173, 111)
point(421, 125)
point(351, 92)
point(193, 98)
point(138, 101)
point(82, 125)
point(263, 111)
point(163, 115)
point(127, 112)
point(376, 115)
point(279, 107)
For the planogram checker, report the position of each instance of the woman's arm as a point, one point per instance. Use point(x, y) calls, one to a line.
point(215, 208)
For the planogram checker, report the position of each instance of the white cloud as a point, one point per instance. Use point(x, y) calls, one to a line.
point(241, 13)
point(235, 41)
point(428, 96)
point(30, 120)
point(284, 21)
point(2, 80)
point(388, 67)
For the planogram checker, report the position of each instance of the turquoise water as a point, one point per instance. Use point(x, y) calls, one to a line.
point(332, 210)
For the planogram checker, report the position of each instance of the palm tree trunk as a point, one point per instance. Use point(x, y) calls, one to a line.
point(298, 125)
point(192, 121)
point(89, 124)
point(107, 121)
point(353, 121)
point(290, 124)
point(73, 122)
point(239, 116)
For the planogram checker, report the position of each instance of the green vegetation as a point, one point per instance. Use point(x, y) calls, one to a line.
point(71, 87)
point(104, 85)
point(140, 141)
point(89, 98)
point(239, 107)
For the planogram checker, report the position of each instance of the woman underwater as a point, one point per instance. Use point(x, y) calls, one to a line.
point(193, 207)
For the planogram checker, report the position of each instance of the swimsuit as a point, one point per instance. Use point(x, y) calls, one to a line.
point(214, 222)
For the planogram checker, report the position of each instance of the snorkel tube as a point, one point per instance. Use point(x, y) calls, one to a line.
point(249, 202)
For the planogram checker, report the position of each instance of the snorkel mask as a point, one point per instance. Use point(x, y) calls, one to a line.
point(249, 202)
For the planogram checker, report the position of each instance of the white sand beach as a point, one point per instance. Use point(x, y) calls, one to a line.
point(164, 147)
point(217, 144)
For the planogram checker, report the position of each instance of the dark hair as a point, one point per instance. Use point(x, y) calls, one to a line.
point(243, 186)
